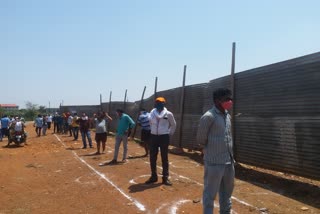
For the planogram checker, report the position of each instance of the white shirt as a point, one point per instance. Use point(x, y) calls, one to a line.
point(18, 126)
point(162, 123)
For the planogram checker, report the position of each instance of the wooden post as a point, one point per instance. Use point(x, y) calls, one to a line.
point(233, 94)
point(155, 88)
point(125, 101)
point(180, 149)
point(100, 102)
point(140, 106)
point(109, 110)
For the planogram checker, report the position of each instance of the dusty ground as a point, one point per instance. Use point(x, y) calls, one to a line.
point(53, 175)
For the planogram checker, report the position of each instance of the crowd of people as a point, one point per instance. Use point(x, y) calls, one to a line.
point(157, 126)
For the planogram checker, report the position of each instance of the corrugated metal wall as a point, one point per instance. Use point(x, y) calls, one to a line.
point(277, 114)
point(278, 122)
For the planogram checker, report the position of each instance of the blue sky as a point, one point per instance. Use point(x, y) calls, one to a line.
point(72, 51)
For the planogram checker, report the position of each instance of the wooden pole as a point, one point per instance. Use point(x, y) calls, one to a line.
point(100, 102)
point(182, 98)
point(233, 94)
point(140, 106)
point(155, 87)
point(125, 101)
point(109, 110)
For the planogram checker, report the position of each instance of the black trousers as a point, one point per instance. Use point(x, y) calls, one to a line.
point(162, 142)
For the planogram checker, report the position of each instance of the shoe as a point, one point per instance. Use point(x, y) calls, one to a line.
point(151, 180)
point(124, 161)
point(83, 147)
point(166, 181)
point(113, 162)
point(91, 147)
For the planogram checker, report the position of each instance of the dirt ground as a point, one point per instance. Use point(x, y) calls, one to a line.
point(52, 174)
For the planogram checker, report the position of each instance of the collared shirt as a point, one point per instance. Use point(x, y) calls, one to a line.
point(5, 122)
point(162, 122)
point(214, 136)
point(143, 120)
point(125, 122)
point(38, 122)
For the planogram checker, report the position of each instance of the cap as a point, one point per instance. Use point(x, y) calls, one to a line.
point(161, 99)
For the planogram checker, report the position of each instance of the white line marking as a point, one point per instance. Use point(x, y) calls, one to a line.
point(200, 184)
point(140, 206)
point(174, 207)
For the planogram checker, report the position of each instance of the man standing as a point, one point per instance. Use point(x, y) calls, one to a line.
point(214, 136)
point(5, 124)
point(125, 123)
point(75, 126)
point(143, 121)
point(85, 130)
point(38, 123)
point(162, 125)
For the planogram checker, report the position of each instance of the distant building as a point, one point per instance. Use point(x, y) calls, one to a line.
point(9, 106)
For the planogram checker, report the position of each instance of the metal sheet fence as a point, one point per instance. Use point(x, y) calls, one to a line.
point(277, 114)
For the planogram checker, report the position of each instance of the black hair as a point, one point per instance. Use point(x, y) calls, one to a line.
point(221, 93)
point(120, 111)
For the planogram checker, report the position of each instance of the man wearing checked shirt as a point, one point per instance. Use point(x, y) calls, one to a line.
point(214, 136)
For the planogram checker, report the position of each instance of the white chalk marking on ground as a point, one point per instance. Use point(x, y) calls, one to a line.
point(234, 198)
point(132, 181)
point(140, 206)
point(174, 208)
point(185, 167)
point(160, 208)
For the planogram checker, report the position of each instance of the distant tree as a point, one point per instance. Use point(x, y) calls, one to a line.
point(42, 109)
point(31, 111)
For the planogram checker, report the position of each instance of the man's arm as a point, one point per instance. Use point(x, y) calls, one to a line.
point(172, 123)
point(203, 129)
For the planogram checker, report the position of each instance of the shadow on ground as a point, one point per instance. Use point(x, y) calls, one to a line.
point(305, 192)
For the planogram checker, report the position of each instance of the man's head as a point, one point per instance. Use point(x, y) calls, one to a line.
point(119, 112)
point(222, 99)
point(160, 103)
point(142, 110)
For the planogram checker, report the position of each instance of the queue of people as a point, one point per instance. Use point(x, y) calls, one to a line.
point(213, 137)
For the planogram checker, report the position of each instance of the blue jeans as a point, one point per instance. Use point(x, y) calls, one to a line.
point(75, 131)
point(84, 135)
point(123, 138)
point(217, 177)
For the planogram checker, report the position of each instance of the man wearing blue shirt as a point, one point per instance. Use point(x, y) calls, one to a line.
point(5, 124)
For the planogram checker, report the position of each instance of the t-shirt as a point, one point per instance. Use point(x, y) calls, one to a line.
point(18, 126)
point(101, 126)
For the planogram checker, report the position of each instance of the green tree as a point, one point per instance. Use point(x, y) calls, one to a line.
point(31, 111)
point(42, 109)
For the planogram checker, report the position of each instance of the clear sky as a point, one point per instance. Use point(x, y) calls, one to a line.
point(72, 51)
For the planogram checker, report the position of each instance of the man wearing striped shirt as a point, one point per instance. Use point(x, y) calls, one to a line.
point(143, 121)
point(214, 136)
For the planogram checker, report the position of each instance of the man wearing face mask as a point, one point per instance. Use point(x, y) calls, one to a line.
point(162, 125)
point(214, 136)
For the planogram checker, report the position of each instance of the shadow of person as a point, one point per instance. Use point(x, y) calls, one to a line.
point(71, 148)
point(12, 146)
point(142, 187)
point(92, 154)
point(138, 156)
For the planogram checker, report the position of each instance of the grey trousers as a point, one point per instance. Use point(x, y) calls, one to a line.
point(217, 178)
point(123, 138)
